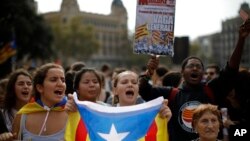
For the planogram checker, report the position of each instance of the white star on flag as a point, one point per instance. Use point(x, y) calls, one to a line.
point(113, 135)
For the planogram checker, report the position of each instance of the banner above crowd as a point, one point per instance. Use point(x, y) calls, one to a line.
point(154, 29)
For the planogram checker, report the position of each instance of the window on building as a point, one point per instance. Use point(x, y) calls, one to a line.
point(64, 20)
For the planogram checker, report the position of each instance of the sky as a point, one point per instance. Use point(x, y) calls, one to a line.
point(193, 18)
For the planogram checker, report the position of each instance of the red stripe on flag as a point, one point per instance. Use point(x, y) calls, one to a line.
point(139, 30)
point(81, 131)
point(152, 132)
point(142, 32)
point(142, 26)
point(140, 35)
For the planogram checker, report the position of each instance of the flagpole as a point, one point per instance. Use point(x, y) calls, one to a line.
point(13, 43)
point(13, 63)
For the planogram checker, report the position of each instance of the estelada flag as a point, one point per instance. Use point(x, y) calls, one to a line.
point(75, 128)
point(7, 51)
point(97, 122)
point(38, 106)
point(141, 31)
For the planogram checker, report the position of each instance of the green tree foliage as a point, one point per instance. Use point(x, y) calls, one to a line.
point(73, 39)
point(194, 49)
point(20, 21)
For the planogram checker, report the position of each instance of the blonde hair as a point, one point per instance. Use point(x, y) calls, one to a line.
point(115, 82)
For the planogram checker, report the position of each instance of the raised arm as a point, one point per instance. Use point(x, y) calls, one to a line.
point(244, 31)
point(152, 65)
point(144, 86)
point(146, 90)
point(223, 84)
point(16, 125)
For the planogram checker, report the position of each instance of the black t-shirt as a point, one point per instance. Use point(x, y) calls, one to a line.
point(187, 99)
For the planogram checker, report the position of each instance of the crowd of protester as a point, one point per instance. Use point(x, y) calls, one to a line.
point(196, 91)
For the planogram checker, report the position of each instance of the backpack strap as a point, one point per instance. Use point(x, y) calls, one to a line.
point(22, 126)
point(209, 93)
point(173, 93)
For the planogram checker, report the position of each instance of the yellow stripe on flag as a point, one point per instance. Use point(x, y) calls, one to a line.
point(6, 52)
point(162, 133)
point(71, 127)
point(162, 130)
point(141, 31)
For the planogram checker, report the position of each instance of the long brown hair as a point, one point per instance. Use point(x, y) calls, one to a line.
point(40, 75)
point(10, 95)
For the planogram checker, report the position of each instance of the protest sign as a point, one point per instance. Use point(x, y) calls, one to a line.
point(154, 29)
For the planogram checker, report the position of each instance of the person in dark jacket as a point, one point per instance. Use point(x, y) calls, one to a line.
point(192, 92)
point(237, 103)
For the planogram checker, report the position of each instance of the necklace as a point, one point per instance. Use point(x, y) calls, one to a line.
point(44, 128)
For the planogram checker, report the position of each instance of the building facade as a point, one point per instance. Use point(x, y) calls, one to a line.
point(111, 30)
point(221, 45)
point(229, 37)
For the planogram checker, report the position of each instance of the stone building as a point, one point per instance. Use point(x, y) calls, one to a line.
point(111, 30)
